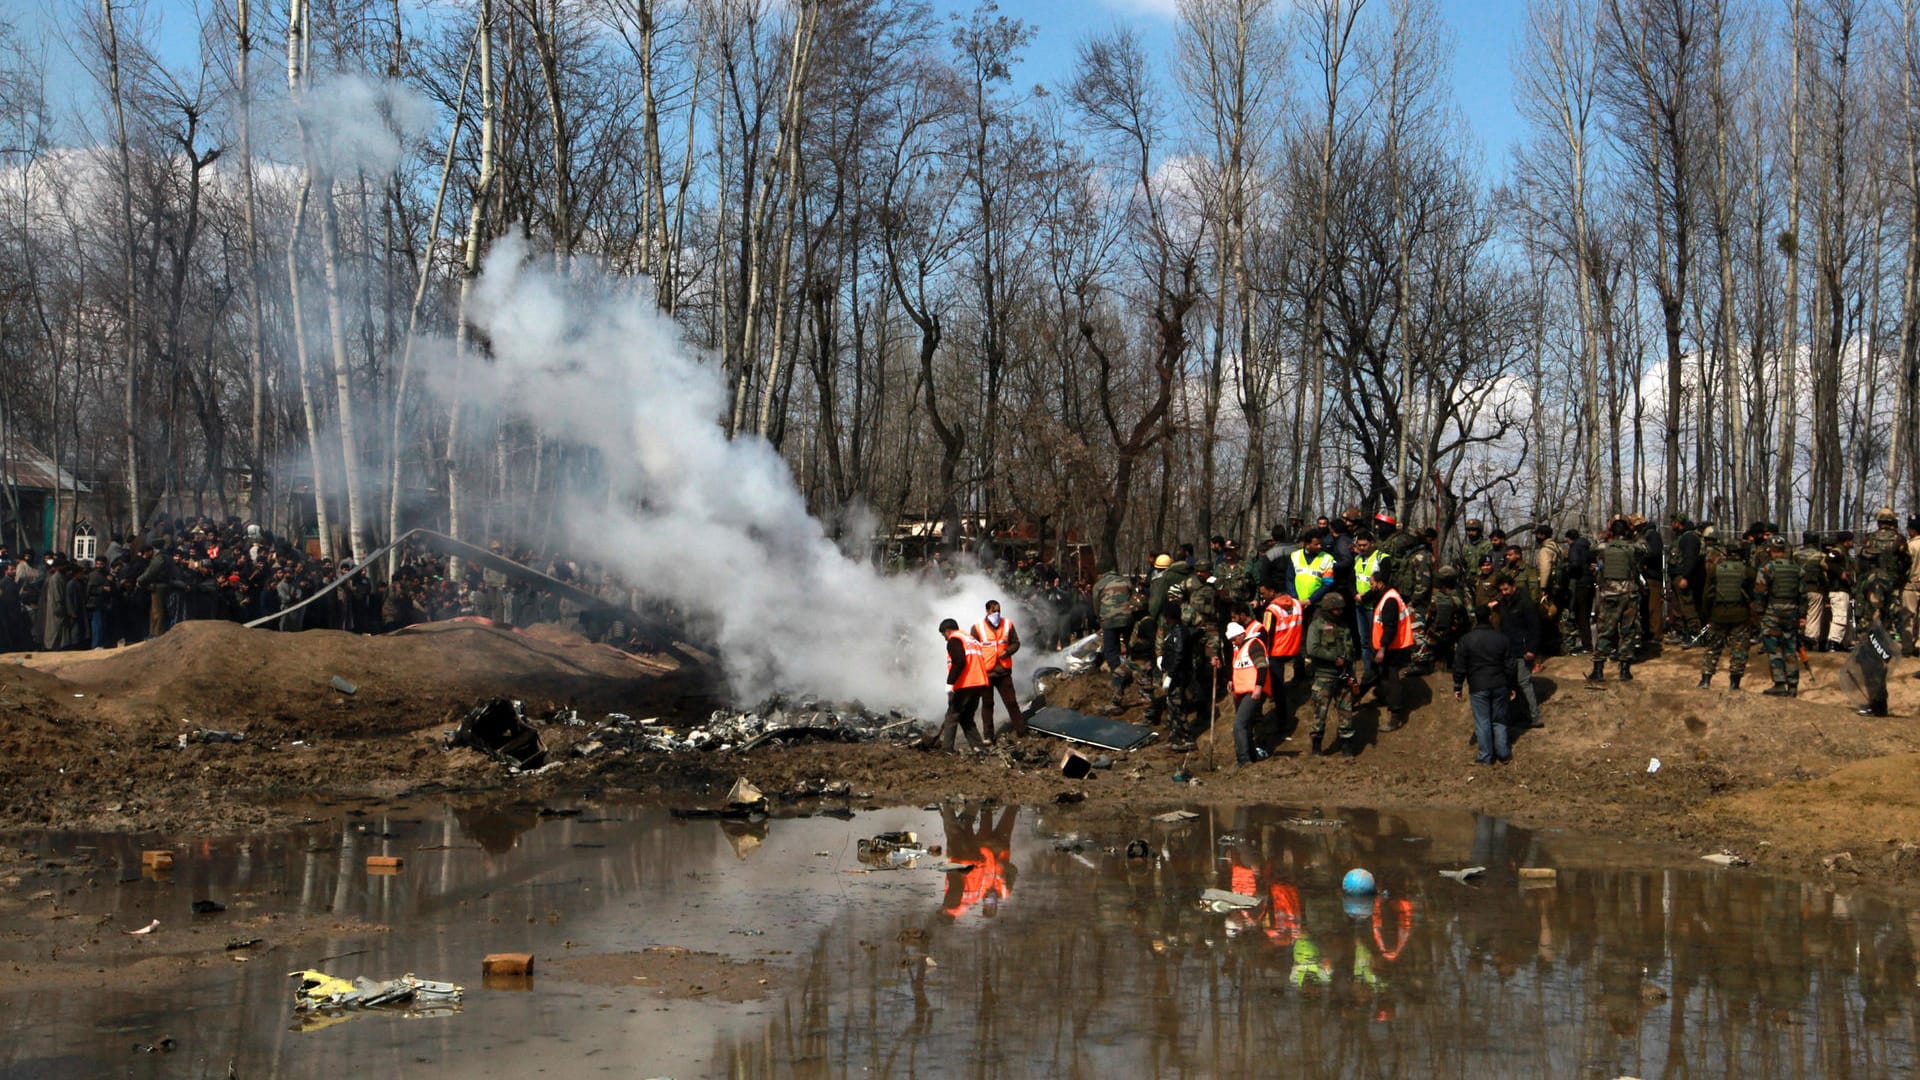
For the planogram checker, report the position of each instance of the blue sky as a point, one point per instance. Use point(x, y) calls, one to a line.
point(1485, 33)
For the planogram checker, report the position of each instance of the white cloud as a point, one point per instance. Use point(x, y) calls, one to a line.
point(1162, 9)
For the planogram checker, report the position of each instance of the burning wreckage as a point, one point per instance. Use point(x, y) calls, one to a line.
point(502, 729)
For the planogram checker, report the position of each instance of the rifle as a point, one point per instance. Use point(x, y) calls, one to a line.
point(1213, 716)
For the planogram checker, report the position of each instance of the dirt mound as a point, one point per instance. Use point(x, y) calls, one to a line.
point(113, 739)
point(219, 674)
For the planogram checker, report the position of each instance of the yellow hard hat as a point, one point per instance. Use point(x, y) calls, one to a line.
point(1161, 562)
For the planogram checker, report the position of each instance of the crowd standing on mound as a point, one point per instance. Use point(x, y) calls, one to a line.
point(189, 569)
point(1350, 607)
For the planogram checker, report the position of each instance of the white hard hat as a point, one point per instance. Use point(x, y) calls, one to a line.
point(1234, 630)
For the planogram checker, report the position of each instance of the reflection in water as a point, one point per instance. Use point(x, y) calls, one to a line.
point(1102, 965)
point(986, 848)
point(1043, 957)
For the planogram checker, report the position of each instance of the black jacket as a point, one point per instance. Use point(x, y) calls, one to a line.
point(1520, 625)
point(1480, 660)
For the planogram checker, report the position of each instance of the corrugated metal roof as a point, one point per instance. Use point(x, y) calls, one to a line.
point(24, 465)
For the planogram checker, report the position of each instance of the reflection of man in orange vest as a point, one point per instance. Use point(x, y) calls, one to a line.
point(996, 635)
point(966, 683)
point(987, 847)
point(1391, 648)
point(1251, 682)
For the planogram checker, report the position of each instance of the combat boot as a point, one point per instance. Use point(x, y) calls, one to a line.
point(1778, 689)
point(1733, 682)
point(1315, 749)
point(1705, 681)
point(1626, 671)
point(1598, 674)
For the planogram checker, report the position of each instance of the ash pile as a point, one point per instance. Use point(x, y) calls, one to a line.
point(778, 720)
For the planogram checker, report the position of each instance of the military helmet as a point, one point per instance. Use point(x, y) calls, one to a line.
point(1885, 515)
point(1335, 602)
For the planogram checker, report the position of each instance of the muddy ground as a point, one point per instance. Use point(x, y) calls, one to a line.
point(91, 741)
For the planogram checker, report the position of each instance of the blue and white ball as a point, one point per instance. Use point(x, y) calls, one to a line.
point(1357, 883)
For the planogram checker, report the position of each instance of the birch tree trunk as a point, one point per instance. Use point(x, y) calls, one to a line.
point(470, 270)
point(404, 377)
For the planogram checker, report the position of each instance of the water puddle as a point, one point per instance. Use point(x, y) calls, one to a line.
point(769, 948)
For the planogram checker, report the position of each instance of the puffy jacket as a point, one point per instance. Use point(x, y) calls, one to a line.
point(1480, 660)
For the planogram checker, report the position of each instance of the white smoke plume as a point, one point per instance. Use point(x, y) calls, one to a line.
point(713, 526)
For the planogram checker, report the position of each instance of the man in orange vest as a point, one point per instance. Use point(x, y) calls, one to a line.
point(1283, 621)
point(967, 684)
point(1390, 649)
point(1251, 683)
point(996, 635)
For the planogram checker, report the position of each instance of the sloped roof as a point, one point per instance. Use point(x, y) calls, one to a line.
point(25, 465)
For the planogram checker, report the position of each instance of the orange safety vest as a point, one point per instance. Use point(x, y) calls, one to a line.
point(1283, 914)
point(975, 674)
point(1402, 633)
point(1283, 618)
point(1403, 910)
point(994, 641)
point(984, 880)
point(1246, 677)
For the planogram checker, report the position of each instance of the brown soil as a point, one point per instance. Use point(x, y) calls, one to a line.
point(91, 741)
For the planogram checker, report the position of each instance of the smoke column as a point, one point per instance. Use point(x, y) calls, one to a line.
point(713, 526)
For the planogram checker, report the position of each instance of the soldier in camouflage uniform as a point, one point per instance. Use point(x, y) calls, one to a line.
point(1330, 645)
point(1883, 569)
point(1174, 693)
point(1117, 607)
point(1686, 567)
point(1617, 636)
point(1200, 597)
point(1729, 600)
point(1475, 548)
point(1778, 595)
point(1414, 577)
point(1142, 654)
point(1813, 582)
point(1448, 617)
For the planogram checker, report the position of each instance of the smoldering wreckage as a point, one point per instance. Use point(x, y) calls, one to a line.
point(503, 729)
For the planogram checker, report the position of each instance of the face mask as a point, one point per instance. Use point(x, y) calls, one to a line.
point(993, 620)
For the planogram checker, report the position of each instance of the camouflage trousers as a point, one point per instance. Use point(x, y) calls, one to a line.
point(1180, 705)
point(1422, 658)
point(1683, 615)
point(1737, 638)
point(1879, 599)
point(1332, 690)
point(1780, 636)
point(1616, 633)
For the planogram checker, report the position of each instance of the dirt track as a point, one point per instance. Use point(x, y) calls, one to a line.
point(91, 741)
